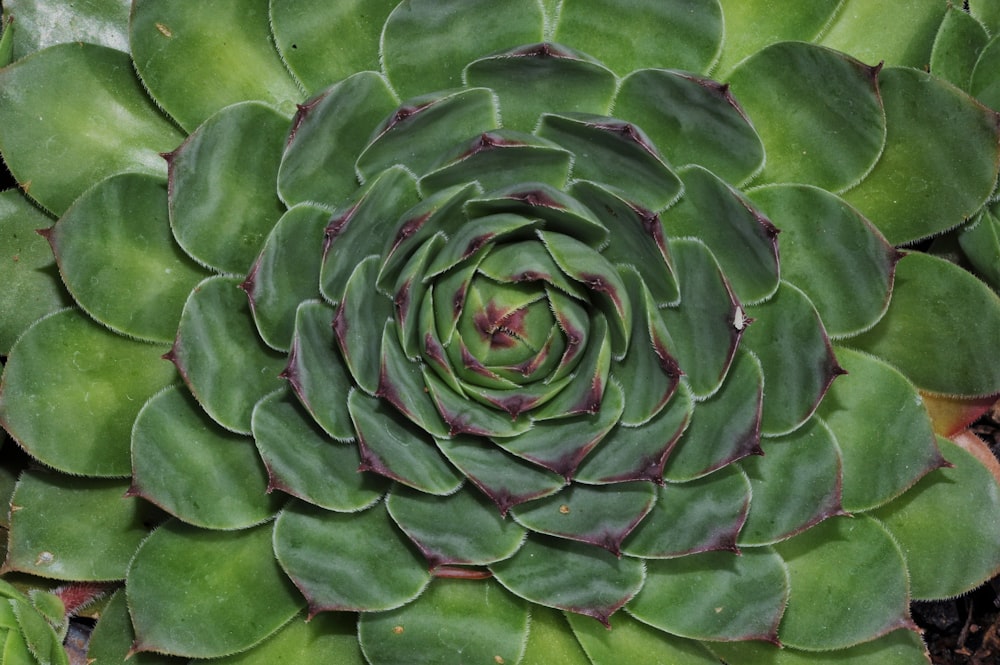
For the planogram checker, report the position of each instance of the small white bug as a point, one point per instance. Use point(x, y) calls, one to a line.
point(740, 319)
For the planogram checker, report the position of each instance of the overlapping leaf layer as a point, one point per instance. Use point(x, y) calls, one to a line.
point(491, 323)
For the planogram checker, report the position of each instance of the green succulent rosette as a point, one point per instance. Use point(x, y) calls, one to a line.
point(492, 326)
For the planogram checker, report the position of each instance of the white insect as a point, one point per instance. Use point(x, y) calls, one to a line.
point(740, 319)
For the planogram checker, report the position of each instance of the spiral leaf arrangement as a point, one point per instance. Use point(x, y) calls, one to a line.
point(529, 331)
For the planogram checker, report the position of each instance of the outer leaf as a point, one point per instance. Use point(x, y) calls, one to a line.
point(934, 173)
point(163, 33)
point(550, 640)
point(985, 83)
point(205, 594)
point(900, 647)
point(328, 637)
point(90, 382)
point(195, 470)
point(222, 199)
point(715, 595)
point(112, 639)
point(826, 141)
point(220, 356)
point(571, 576)
point(980, 242)
point(934, 304)
point(119, 259)
point(934, 523)
point(960, 40)
point(347, 561)
point(635, 643)
point(450, 623)
point(686, 34)
point(417, 60)
point(39, 24)
point(31, 284)
point(73, 528)
point(867, 558)
point(899, 32)
point(80, 130)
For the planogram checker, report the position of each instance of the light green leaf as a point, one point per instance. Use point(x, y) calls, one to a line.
point(935, 304)
point(195, 470)
point(222, 199)
point(119, 260)
point(455, 621)
point(41, 24)
point(347, 561)
point(74, 528)
point(205, 594)
point(111, 641)
point(631, 641)
point(220, 356)
point(163, 33)
point(980, 241)
point(900, 647)
point(327, 637)
point(550, 642)
point(960, 40)
point(898, 32)
point(71, 390)
point(104, 123)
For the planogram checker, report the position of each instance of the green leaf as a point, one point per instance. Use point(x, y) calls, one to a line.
point(302, 461)
point(867, 558)
point(950, 516)
point(286, 273)
point(220, 356)
point(753, 24)
point(873, 402)
point(832, 253)
point(205, 594)
point(987, 13)
point(725, 427)
point(104, 123)
point(940, 159)
point(222, 199)
point(900, 647)
point(934, 304)
point(195, 470)
point(788, 339)
point(162, 34)
point(686, 34)
point(985, 83)
point(715, 595)
point(111, 641)
point(550, 642)
point(328, 132)
point(818, 113)
point(960, 40)
point(119, 260)
point(696, 516)
point(536, 78)
point(348, 561)
point(980, 241)
point(331, 637)
point(636, 643)
point(39, 24)
point(743, 241)
point(71, 390)
point(616, 154)
point(805, 464)
point(693, 120)
point(898, 32)
point(32, 287)
point(324, 42)
point(316, 371)
point(571, 576)
point(455, 621)
point(417, 60)
point(77, 529)
point(392, 446)
point(602, 516)
point(460, 529)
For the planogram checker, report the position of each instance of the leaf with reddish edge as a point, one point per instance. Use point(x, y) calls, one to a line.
point(408, 296)
point(724, 427)
point(462, 529)
point(571, 576)
point(464, 416)
point(358, 324)
point(700, 515)
point(394, 447)
point(471, 237)
point(451, 291)
point(560, 212)
point(505, 479)
point(561, 444)
point(601, 516)
point(598, 276)
point(348, 561)
point(359, 229)
point(401, 383)
point(701, 326)
point(950, 415)
point(527, 261)
point(636, 238)
point(585, 391)
point(715, 595)
point(639, 453)
point(619, 155)
point(635, 643)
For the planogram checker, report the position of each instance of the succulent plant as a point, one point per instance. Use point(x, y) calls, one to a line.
point(533, 331)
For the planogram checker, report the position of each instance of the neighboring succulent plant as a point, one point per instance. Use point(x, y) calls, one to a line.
point(518, 264)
